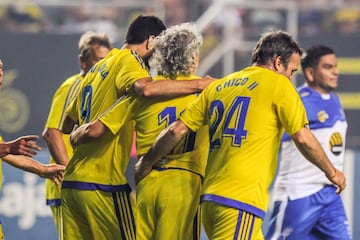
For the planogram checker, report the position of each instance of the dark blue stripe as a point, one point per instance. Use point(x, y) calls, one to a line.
point(133, 227)
point(117, 212)
point(252, 227)
point(174, 168)
point(196, 229)
point(238, 224)
point(53, 202)
point(233, 203)
point(96, 186)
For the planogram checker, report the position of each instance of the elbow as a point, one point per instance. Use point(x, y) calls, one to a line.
point(177, 130)
point(144, 87)
point(48, 134)
point(144, 92)
point(94, 131)
point(45, 134)
point(303, 138)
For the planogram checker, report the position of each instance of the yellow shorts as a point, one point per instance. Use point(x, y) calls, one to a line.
point(167, 205)
point(223, 223)
point(95, 214)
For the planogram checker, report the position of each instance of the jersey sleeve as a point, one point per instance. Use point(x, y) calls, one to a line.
point(290, 108)
point(72, 109)
point(57, 109)
point(132, 69)
point(195, 115)
point(122, 111)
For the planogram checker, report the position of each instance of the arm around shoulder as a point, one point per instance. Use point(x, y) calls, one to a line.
point(170, 88)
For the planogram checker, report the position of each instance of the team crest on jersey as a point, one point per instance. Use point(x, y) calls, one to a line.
point(336, 143)
point(304, 94)
point(322, 116)
point(139, 59)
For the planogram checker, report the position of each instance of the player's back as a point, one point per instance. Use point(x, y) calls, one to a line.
point(191, 152)
point(103, 85)
point(247, 111)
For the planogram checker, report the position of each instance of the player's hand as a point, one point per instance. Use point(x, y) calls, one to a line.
point(74, 135)
point(24, 145)
point(338, 179)
point(141, 170)
point(54, 172)
point(206, 81)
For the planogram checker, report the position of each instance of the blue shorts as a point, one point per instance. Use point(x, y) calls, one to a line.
point(318, 216)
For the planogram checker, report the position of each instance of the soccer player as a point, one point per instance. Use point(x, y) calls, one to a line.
point(95, 191)
point(92, 48)
point(18, 153)
point(306, 205)
point(247, 112)
point(172, 190)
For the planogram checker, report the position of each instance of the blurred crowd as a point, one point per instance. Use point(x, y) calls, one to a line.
point(314, 17)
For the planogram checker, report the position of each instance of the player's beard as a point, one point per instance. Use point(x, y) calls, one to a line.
point(147, 57)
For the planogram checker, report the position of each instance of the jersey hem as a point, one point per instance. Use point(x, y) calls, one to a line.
point(233, 203)
point(95, 186)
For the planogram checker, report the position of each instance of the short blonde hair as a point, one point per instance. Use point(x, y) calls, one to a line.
point(88, 39)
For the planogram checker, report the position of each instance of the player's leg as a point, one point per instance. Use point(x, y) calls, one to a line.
point(177, 205)
point(295, 219)
point(57, 215)
point(146, 191)
point(98, 215)
point(223, 223)
point(74, 222)
point(333, 223)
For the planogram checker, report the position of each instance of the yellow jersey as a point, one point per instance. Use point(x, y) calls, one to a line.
point(247, 112)
point(62, 98)
point(154, 115)
point(104, 161)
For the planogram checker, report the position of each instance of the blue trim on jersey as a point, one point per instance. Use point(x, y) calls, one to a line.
point(174, 168)
point(53, 202)
point(233, 203)
point(96, 186)
point(314, 104)
point(196, 230)
point(238, 224)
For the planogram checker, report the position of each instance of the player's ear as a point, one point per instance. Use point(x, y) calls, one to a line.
point(277, 63)
point(82, 62)
point(309, 74)
point(149, 44)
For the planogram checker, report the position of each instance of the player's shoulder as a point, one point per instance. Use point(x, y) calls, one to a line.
point(306, 92)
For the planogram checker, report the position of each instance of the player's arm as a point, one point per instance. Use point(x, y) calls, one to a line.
point(51, 171)
point(24, 145)
point(88, 132)
point(145, 87)
point(56, 145)
point(68, 125)
point(310, 147)
point(163, 144)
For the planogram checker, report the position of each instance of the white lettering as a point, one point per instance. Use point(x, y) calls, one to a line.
point(25, 201)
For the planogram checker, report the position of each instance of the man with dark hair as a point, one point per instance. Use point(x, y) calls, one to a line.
point(95, 191)
point(306, 205)
point(92, 47)
point(247, 112)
